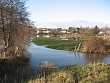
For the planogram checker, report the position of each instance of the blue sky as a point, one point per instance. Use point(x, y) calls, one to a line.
point(69, 10)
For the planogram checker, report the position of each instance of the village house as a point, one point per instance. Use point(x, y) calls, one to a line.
point(63, 31)
point(46, 31)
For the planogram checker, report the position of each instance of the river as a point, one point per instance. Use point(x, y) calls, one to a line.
point(64, 58)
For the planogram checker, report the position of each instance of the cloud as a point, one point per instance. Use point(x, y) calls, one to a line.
point(72, 23)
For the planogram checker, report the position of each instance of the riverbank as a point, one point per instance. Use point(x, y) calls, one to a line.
point(13, 62)
point(56, 43)
point(11, 65)
point(92, 73)
point(87, 44)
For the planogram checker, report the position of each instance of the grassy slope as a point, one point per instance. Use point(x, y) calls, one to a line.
point(92, 73)
point(56, 43)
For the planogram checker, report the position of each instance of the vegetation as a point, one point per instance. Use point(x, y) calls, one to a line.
point(10, 69)
point(96, 45)
point(56, 43)
point(90, 44)
point(47, 65)
point(14, 26)
point(13, 62)
point(92, 73)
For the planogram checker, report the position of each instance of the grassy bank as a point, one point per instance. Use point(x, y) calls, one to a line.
point(59, 44)
point(6, 64)
point(92, 73)
point(11, 68)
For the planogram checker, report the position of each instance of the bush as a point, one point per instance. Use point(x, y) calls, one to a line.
point(47, 65)
point(95, 45)
point(14, 62)
point(92, 73)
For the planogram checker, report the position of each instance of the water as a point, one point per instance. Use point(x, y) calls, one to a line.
point(64, 58)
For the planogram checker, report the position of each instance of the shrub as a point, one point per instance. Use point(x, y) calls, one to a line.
point(95, 45)
point(92, 73)
point(47, 65)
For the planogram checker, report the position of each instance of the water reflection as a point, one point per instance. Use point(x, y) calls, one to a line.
point(96, 58)
point(77, 55)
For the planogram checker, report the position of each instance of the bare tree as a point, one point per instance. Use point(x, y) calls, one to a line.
point(14, 24)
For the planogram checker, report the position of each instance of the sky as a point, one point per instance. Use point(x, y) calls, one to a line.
point(58, 11)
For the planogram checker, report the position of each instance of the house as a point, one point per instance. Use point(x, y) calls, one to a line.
point(101, 33)
point(46, 31)
point(63, 31)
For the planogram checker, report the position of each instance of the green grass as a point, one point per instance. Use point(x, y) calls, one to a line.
point(56, 43)
point(92, 73)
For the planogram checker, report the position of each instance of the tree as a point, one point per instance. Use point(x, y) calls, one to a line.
point(14, 24)
point(96, 30)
